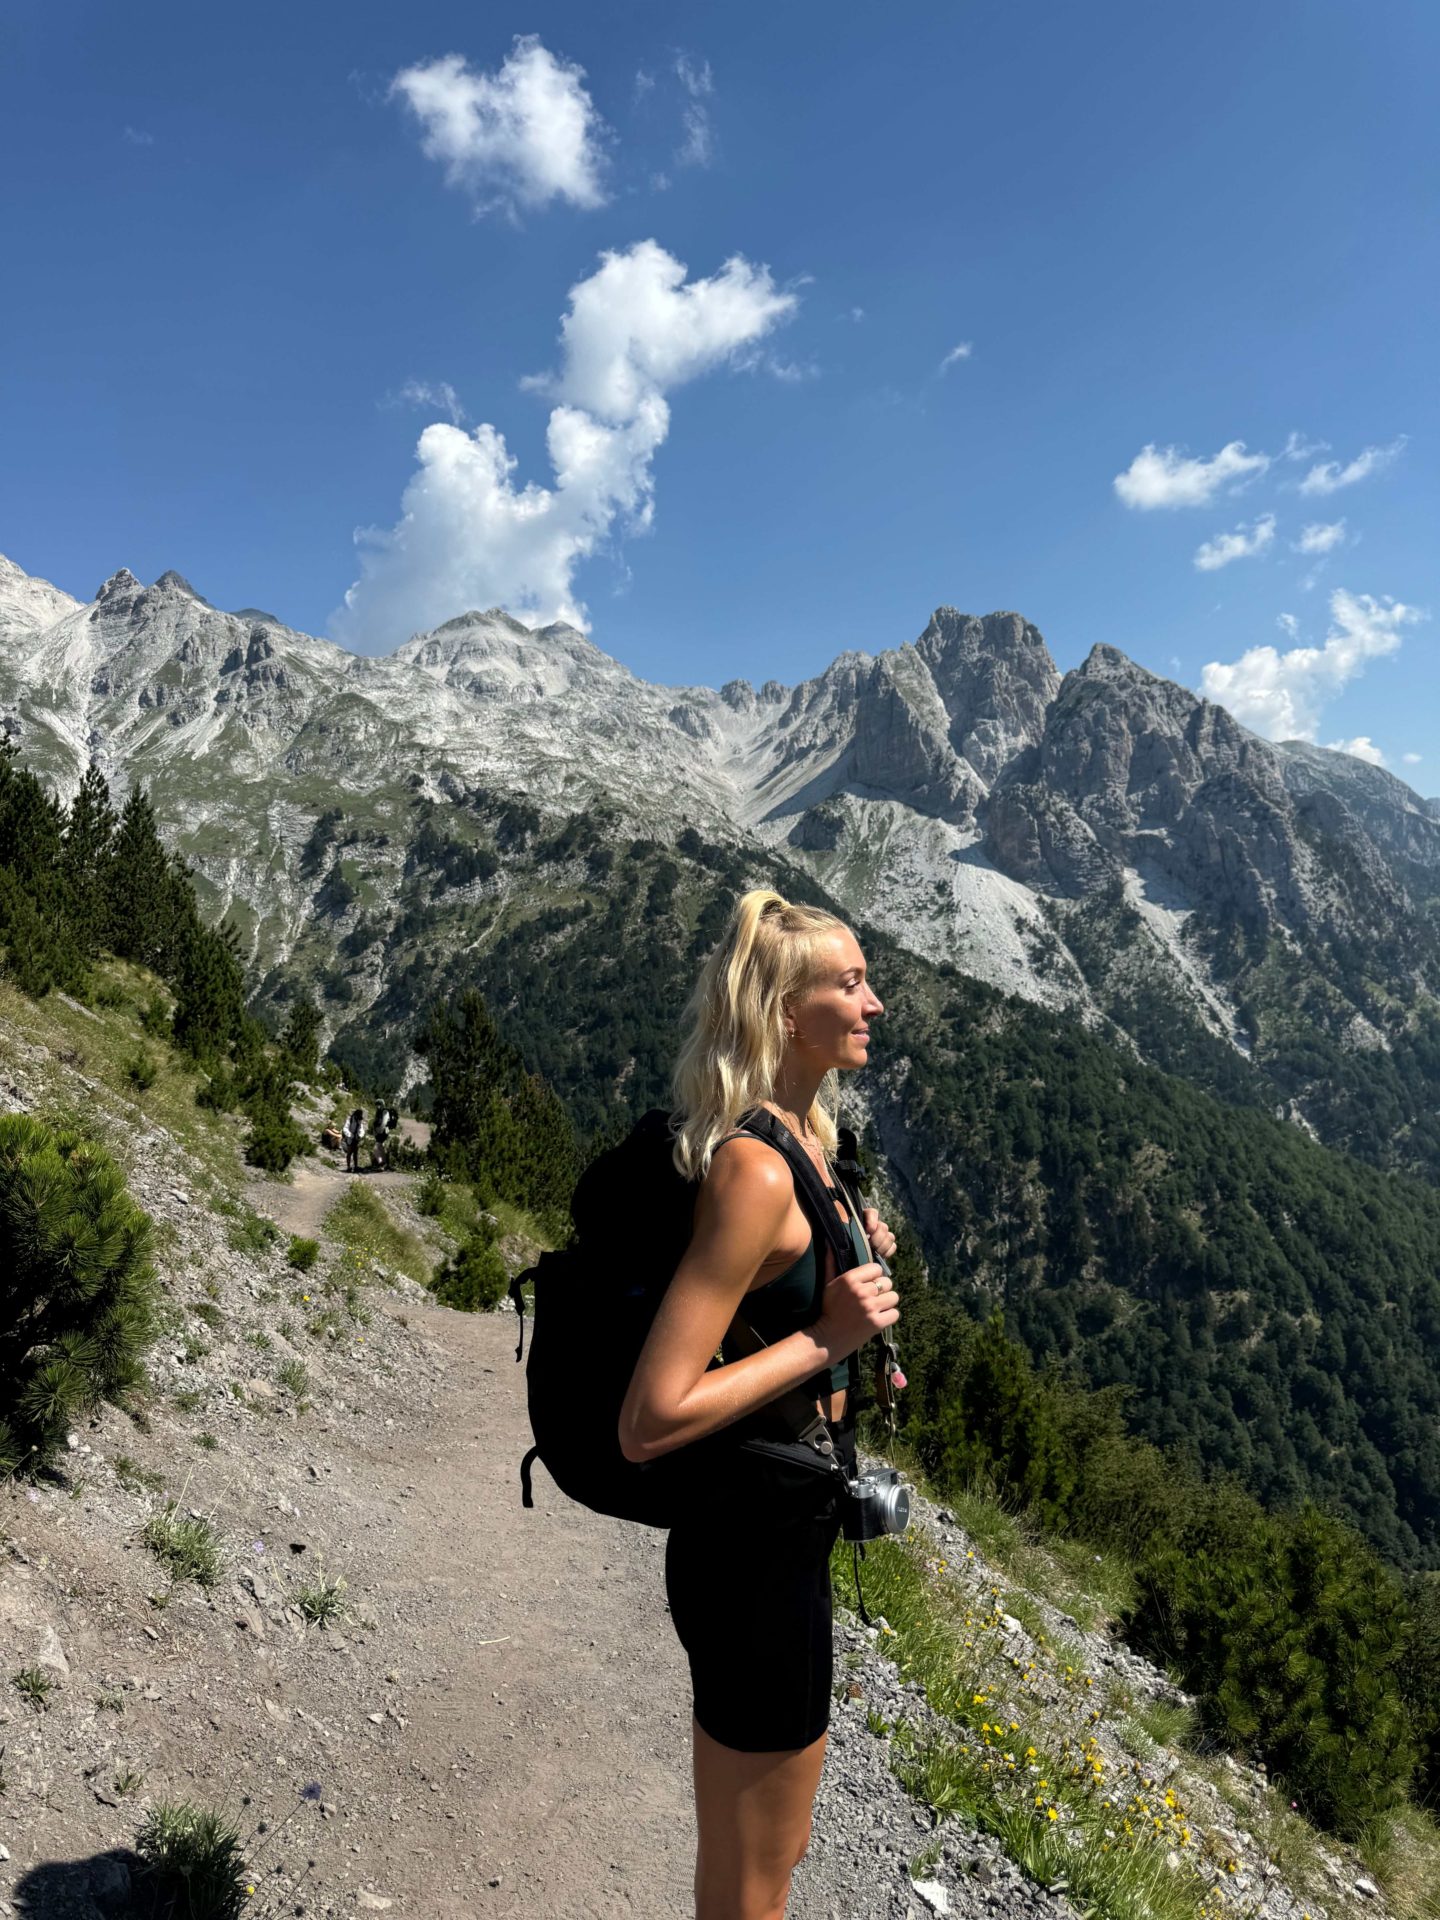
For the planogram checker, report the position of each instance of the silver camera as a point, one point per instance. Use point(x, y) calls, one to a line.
point(873, 1503)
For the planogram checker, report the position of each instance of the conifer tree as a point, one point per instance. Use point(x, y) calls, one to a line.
point(76, 1285)
point(144, 904)
point(301, 1035)
point(209, 994)
point(37, 940)
point(506, 1127)
point(85, 860)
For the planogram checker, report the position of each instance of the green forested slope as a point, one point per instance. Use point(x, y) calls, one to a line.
point(1271, 1307)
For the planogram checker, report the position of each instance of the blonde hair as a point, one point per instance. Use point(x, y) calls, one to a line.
point(735, 1019)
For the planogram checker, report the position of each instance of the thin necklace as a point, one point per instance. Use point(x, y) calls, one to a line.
point(812, 1147)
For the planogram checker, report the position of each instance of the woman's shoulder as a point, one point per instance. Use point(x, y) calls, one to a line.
point(742, 1166)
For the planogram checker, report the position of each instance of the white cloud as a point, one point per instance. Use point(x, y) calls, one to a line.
point(1412, 759)
point(1168, 477)
point(1297, 447)
point(137, 137)
point(469, 536)
point(1281, 694)
point(961, 351)
point(1287, 624)
point(697, 149)
point(1239, 545)
point(1362, 746)
point(636, 327)
point(429, 393)
point(520, 137)
point(1320, 537)
point(1329, 476)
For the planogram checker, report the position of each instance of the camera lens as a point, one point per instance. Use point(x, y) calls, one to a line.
point(897, 1508)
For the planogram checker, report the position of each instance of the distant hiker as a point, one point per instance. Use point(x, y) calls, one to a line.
point(351, 1134)
point(381, 1128)
point(782, 1005)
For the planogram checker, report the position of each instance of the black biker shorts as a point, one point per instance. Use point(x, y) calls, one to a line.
point(748, 1582)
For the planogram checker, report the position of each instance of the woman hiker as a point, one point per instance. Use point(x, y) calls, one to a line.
point(782, 1007)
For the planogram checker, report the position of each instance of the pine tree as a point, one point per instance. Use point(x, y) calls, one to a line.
point(77, 1289)
point(85, 861)
point(209, 994)
point(301, 1035)
point(145, 906)
point(37, 939)
point(505, 1127)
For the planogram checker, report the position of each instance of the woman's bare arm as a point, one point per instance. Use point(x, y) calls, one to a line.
point(739, 1214)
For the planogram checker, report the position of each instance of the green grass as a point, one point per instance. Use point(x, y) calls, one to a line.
point(185, 1544)
point(1050, 1801)
point(135, 1478)
point(361, 1222)
point(192, 1864)
point(322, 1601)
point(302, 1253)
point(292, 1375)
point(250, 1232)
point(1168, 1724)
point(106, 1045)
point(35, 1685)
point(1407, 1858)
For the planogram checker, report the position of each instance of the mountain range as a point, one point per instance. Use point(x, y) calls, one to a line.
point(1260, 917)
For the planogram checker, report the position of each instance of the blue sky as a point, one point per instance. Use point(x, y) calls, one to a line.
point(252, 255)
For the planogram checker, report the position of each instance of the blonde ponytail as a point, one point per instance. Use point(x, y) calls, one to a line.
point(735, 1024)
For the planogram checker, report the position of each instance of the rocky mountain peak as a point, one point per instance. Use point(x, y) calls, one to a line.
point(1105, 662)
point(996, 680)
point(172, 582)
point(118, 584)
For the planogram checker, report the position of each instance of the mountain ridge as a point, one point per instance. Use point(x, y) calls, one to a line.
point(957, 791)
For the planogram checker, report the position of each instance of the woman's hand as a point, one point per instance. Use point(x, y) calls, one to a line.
point(855, 1306)
point(882, 1240)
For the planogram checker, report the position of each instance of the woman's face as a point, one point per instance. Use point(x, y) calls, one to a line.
point(831, 1019)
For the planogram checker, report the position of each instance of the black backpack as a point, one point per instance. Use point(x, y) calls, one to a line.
point(594, 1303)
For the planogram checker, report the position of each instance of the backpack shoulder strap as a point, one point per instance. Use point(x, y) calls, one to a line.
point(810, 1189)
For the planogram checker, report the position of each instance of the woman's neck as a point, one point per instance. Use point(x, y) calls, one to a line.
point(793, 1097)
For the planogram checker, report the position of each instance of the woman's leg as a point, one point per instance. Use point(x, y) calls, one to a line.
point(752, 1811)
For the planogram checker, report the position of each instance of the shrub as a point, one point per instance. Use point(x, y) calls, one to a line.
point(220, 1093)
point(473, 1278)
point(274, 1140)
point(430, 1195)
point(303, 1253)
point(192, 1866)
point(252, 1233)
point(77, 1290)
point(155, 1017)
point(1421, 1681)
point(1288, 1628)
